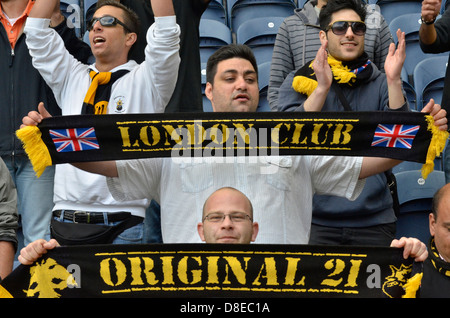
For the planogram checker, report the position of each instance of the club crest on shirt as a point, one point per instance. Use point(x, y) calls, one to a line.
point(119, 104)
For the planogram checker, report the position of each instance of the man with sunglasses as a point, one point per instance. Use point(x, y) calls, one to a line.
point(114, 84)
point(346, 79)
point(228, 218)
point(298, 41)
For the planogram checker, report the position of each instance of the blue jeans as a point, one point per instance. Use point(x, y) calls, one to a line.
point(35, 197)
point(132, 235)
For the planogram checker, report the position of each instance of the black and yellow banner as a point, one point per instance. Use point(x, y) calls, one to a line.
point(408, 136)
point(215, 270)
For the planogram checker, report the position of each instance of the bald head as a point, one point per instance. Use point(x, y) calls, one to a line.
point(228, 218)
point(439, 221)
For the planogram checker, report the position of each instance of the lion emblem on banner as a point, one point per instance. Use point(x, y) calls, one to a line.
point(47, 278)
point(394, 284)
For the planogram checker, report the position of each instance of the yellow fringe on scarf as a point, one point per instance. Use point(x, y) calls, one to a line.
point(35, 148)
point(342, 74)
point(4, 293)
point(304, 85)
point(437, 145)
point(412, 286)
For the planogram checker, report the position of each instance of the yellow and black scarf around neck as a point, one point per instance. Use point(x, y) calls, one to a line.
point(351, 73)
point(99, 92)
point(441, 266)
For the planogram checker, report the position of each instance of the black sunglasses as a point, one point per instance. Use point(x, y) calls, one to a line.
point(106, 21)
point(341, 27)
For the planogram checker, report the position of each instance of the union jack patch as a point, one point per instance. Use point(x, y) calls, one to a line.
point(395, 136)
point(74, 139)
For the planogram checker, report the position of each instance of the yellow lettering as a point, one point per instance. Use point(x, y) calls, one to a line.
point(167, 268)
point(338, 266)
point(292, 271)
point(173, 135)
point(136, 272)
point(213, 270)
point(346, 134)
point(183, 272)
point(120, 271)
point(156, 137)
point(297, 134)
point(101, 107)
point(276, 133)
point(243, 133)
point(124, 132)
point(236, 267)
point(270, 269)
point(353, 275)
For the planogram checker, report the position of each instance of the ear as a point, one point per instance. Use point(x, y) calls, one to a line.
point(255, 231)
point(209, 94)
point(131, 39)
point(323, 37)
point(200, 231)
point(432, 224)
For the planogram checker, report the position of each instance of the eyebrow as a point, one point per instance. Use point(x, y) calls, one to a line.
point(233, 71)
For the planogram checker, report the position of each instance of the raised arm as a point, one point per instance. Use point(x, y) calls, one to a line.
point(324, 77)
point(162, 8)
point(430, 10)
point(44, 9)
point(393, 68)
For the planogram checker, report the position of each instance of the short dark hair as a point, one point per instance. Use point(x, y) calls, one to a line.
point(131, 19)
point(333, 6)
point(227, 52)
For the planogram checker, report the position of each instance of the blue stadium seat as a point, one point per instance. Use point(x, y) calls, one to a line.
point(429, 76)
point(263, 81)
point(390, 9)
point(410, 91)
point(216, 11)
point(259, 34)
point(415, 195)
point(213, 34)
point(71, 9)
point(410, 165)
point(301, 3)
point(244, 10)
point(410, 24)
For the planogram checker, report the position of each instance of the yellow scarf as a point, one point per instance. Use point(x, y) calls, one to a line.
point(307, 85)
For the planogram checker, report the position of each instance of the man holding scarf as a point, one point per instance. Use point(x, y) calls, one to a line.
point(343, 78)
point(436, 272)
point(114, 84)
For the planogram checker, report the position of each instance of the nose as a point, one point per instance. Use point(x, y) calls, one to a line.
point(241, 84)
point(97, 25)
point(227, 223)
point(349, 33)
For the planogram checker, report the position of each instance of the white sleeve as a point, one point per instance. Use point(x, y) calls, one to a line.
point(337, 176)
point(49, 55)
point(162, 59)
point(138, 179)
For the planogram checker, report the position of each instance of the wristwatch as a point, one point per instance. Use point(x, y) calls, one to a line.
point(428, 22)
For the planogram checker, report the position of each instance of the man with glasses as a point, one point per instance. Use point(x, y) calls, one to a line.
point(342, 77)
point(228, 218)
point(298, 40)
point(112, 85)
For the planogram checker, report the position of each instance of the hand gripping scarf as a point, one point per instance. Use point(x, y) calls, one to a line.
point(353, 73)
